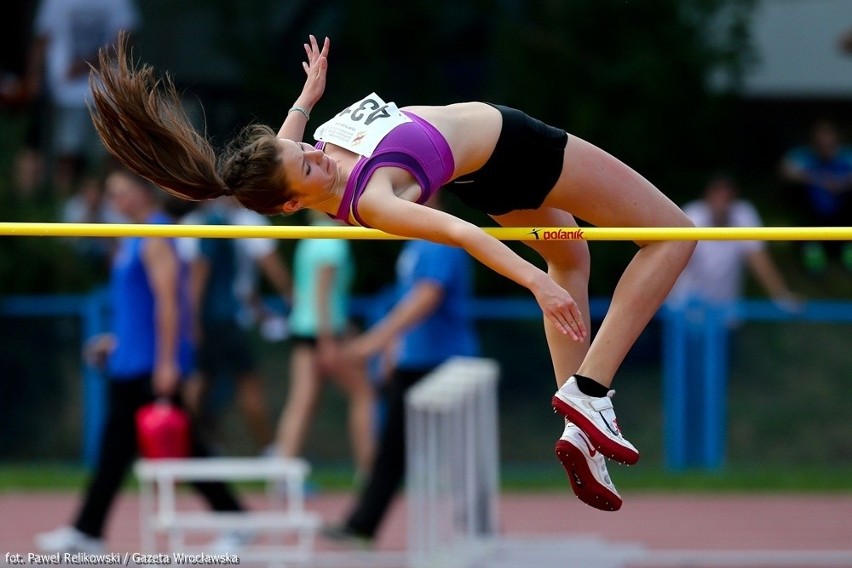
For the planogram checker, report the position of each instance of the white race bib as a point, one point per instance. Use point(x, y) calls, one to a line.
point(362, 125)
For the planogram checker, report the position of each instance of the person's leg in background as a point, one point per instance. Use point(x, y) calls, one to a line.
point(116, 453)
point(305, 386)
point(251, 393)
point(117, 450)
point(362, 405)
point(388, 469)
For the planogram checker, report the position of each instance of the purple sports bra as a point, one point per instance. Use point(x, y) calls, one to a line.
point(415, 146)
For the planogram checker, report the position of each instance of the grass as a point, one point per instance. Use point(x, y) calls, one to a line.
point(62, 477)
point(655, 479)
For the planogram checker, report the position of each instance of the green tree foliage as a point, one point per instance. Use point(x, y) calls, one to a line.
point(632, 76)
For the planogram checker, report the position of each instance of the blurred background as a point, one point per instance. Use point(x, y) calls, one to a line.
point(679, 89)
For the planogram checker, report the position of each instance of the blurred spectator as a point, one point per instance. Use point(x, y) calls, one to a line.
point(68, 34)
point(845, 41)
point(823, 169)
point(223, 288)
point(15, 27)
point(322, 276)
point(429, 324)
point(715, 271)
point(15, 98)
point(89, 205)
point(711, 282)
point(29, 162)
point(146, 356)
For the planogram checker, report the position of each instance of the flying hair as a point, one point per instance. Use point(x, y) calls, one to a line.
point(141, 121)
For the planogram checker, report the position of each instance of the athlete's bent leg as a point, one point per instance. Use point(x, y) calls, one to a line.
point(600, 189)
point(568, 264)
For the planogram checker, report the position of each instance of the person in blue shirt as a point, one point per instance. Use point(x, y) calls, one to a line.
point(146, 356)
point(823, 169)
point(430, 323)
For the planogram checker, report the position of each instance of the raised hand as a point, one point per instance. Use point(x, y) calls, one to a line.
point(315, 68)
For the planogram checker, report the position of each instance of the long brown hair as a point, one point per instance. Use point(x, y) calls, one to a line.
point(140, 118)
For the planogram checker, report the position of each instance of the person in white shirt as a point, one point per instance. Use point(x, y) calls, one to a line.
point(715, 273)
point(68, 34)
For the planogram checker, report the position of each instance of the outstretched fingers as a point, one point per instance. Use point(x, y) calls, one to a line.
point(316, 68)
point(313, 51)
point(569, 321)
point(559, 307)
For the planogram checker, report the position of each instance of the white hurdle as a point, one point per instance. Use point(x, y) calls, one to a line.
point(289, 528)
point(452, 464)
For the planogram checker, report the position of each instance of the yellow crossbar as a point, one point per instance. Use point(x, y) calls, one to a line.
point(359, 233)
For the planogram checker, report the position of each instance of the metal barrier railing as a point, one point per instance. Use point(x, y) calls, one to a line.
point(694, 347)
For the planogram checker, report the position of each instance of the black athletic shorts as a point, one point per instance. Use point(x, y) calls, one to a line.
point(308, 340)
point(305, 340)
point(524, 167)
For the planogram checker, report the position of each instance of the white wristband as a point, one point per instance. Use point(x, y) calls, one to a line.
point(297, 108)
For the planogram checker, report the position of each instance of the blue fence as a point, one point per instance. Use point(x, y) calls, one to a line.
point(695, 371)
point(695, 359)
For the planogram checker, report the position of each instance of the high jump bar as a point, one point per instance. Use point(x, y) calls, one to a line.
point(360, 233)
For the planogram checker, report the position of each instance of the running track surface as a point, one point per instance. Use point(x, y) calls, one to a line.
point(683, 530)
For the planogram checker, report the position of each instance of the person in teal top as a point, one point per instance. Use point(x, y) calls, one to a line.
point(322, 277)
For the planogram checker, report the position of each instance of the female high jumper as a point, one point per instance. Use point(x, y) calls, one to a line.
point(376, 165)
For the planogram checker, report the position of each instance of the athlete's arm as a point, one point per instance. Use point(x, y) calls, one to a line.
point(418, 304)
point(161, 264)
point(381, 209)
point(315, 68)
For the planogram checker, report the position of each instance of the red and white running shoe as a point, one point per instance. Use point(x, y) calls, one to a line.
point(596, 418)
point(586, 469)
